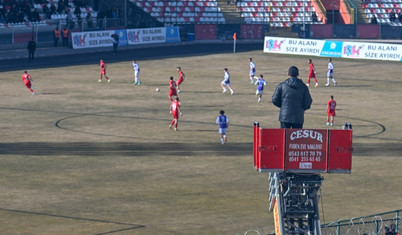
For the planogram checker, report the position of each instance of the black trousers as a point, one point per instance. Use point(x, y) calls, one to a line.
point(31, 54)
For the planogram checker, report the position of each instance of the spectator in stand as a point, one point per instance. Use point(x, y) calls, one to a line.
point(77, 12)
point(79, 3)
point(34, 16)
point(115, 13)
point(60, 7)
point(70, 20)
point(46, 11)
point(392, 16)
point(387, 231)
point(101, 16)
point(400, 17)
point(2, 19)
point(373, 20)
point(393, 229)
point(314, 16)
point(52, 9)
point(2, 14)
point(13, 11)
point(89, 20)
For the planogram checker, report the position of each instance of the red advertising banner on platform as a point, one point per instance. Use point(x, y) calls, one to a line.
point(302, 150)
point(251, 31)
point(206, 31)
point(306, 149)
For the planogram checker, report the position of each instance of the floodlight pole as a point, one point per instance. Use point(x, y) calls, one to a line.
point(304, 21)
point(125, 14)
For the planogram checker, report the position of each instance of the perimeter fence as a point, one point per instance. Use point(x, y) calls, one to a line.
point(375, 224)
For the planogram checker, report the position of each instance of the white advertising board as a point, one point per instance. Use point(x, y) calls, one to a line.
point(153, 35)
point(327, 48)
point(126, 36)
point(92, 39)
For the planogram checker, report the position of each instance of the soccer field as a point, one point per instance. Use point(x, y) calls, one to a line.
point(82, 157)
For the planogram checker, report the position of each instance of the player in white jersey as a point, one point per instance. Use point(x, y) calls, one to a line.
point(330, 74)
point(136, 69)
point(252, 71)
point(226, 82)
point(260, 83)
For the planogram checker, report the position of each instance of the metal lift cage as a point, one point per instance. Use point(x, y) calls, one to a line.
point(295, 158)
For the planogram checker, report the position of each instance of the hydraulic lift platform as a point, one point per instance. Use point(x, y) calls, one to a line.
point(295, 160)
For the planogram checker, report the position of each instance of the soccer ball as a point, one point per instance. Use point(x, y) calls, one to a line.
point(157, 89)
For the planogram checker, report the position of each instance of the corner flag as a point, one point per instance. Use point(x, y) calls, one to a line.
point(234, 42)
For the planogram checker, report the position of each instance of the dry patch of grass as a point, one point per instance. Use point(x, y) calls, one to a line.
point(188, 183)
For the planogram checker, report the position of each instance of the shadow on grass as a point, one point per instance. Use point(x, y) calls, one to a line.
point(164, 149)
point(130, 225)
point(87, 57)
point(125, 149)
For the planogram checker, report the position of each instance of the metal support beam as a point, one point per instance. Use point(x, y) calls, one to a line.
point(298, 194)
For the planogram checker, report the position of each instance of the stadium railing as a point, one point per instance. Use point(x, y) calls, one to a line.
point(371, 224)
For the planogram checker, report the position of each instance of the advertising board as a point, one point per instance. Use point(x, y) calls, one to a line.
point(126, 37)
point(153, 35)
point(330, 48)
point(306, 149)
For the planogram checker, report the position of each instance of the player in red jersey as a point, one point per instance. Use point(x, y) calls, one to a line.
point(331, 105)
point(181, 78)
point(103, 71)
point(311, 73)
point(172, 86)
point(176, 112)
point(27, 81)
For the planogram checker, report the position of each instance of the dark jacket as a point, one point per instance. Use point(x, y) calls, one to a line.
point(293, 98)
point(31, 45)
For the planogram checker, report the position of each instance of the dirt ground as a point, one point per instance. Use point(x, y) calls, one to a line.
point(82, 157)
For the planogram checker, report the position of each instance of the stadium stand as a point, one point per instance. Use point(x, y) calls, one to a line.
point(15, 13)
point(386, 11)
point(183, 11)
point(278, 13)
